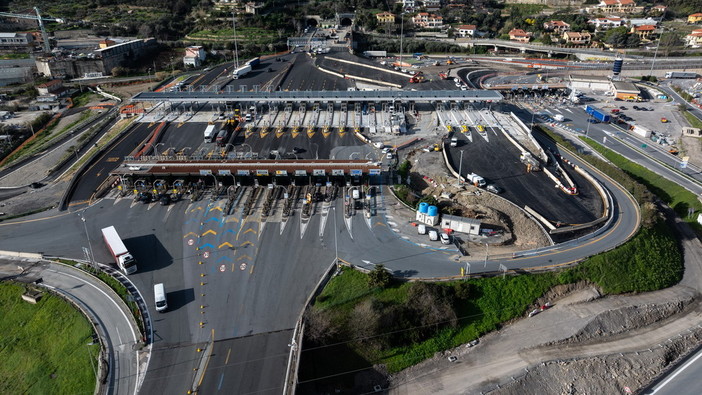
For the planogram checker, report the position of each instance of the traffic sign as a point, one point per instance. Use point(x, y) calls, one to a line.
point(206, 254)
point(191, 242)
point(222, 268)
point(242, 266)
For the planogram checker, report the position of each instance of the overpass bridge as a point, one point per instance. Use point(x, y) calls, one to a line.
point(384, 96)
point(548, 49)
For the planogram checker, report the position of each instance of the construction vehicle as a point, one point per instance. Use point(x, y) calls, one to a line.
point(40, 20)
point(673, 151)
point(417, 78)
point(436, 147)
point(450, 62)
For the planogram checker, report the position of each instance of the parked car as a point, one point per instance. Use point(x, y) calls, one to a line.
point(433, 235)
point(445, 238)
point(422, 229)
point(534, 312)
point(664, 120)
point(494, 188)
point(452, 358)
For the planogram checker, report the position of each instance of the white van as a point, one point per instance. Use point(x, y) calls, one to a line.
point(160, 297)
point(422, 229)
point(355, 193)
point(433, 235)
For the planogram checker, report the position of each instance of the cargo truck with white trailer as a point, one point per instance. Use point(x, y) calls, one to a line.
point(124, 260)
point(680, 74)
point(241, 71)
point(641, 131)
point(375, 54)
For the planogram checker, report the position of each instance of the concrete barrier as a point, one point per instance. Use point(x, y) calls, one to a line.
point(17, 254)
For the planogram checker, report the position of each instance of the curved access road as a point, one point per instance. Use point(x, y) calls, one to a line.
point(104, 308)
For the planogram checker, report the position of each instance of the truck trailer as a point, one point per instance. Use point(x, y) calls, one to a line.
point(641, 131)
point(241, 71)
point(375, 54)
point(123, 258)
point(254, 62)
point(598, 114)
point(679, 74)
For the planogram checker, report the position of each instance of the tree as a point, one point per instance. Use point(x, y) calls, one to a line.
point(319, 326)
point(379, 277)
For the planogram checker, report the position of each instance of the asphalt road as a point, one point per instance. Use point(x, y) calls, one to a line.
point(497, 160)
point(113, 317)
point(683, 380)
point(98, 172)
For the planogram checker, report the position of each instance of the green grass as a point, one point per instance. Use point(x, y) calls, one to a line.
point(677, 197)
point(43, 347)
point(650, 260)
point(82, 99)
point(8, 56)
point(693, 120)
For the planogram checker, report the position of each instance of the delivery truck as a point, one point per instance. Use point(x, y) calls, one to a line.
point(210, 133)
point(679, 74)
point(124, 260)
point(598, 114)
point(641, 131)
point(476, 180)
point(241, 71)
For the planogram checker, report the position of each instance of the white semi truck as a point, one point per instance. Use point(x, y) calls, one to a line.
point(241, 71)
point(123, 258)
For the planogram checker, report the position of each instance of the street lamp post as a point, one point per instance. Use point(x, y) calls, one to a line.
point(487, 253)
point(468, 268)
point(316, 151)
point(402, 33)
point(460, 168)
point(156, 147)
point(87, 236)
point(336, 243)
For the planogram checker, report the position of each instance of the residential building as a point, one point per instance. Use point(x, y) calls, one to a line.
point(642, 21)
point(577, 38)
point(694, 39)
point(385, 17)
point(694, 18)
point(519, 35)
point(14, 41)
point(606, 23)
point(659, 9)
point(409, 5)
point(432, 5)
point(556, 26)
point(194, 56)
point(645, 32)
point(617, 6)
point(426, 20)
point(466, 30)
point(252, 7)
point(50, 87)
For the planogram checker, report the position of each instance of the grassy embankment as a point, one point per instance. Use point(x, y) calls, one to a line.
point(44, 347)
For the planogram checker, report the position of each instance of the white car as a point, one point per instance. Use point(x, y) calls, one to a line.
point(422, 229)
point(433, 235)
point(445, 238)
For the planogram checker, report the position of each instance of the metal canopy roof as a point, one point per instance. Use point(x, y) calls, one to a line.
point(321, 96)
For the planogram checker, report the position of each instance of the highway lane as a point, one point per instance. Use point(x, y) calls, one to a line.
point(98, 300)
point(630, 146)
point(685, 379)
point(98, 172)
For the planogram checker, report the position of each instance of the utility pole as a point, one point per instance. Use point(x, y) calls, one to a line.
point(236, 49)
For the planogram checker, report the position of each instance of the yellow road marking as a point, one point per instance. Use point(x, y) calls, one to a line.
point(216, 208)
point(247, 243)
point(190, 234)
point(232, 219)
point(209, 232)
point(226, 243)
point(243, 257)
point(250, 230)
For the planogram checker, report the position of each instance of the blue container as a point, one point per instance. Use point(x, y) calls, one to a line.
point(423, 206)
point(433, 211)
